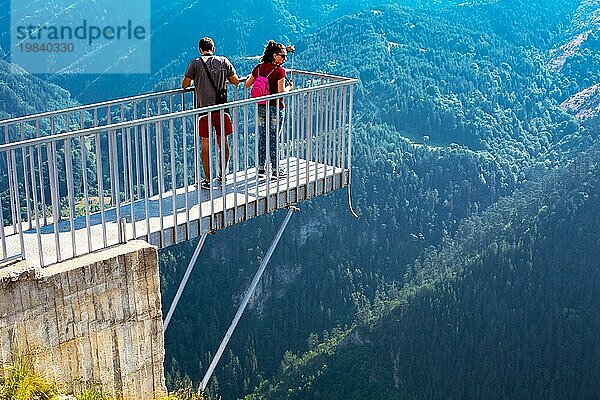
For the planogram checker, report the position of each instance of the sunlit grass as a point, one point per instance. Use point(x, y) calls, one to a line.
point(19, 381)
point(95, 392)
point(186, 393)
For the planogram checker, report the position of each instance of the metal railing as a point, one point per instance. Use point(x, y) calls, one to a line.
point(94, 115)
point(88, 177)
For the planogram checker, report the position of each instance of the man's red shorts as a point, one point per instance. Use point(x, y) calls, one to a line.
point(216, 123)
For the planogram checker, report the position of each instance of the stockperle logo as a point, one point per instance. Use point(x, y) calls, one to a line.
point(82, 37)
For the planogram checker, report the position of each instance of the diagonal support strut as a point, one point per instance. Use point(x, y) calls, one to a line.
point(184, 280)
point(246, 299)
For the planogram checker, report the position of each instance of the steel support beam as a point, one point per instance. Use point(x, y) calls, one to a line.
point(246, 299)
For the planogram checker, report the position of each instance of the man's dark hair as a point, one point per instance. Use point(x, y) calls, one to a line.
point(206, 44)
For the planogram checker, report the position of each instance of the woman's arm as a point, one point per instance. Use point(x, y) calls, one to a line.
point(249, 81)
point(281, 87)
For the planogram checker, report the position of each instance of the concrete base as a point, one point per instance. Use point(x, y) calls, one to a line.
point(94, 319)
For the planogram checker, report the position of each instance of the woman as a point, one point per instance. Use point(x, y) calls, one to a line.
point(270, 67)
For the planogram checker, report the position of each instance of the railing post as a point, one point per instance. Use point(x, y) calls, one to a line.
point(210, 170)
point(136, 130)
point(223, 163)
point(246, 161)
point(17, 199)
point(112, 144)
point(145, 164)
point(235, 144)
point(18, 202)
point(185, 173)
point(161, 183)
point(111, 149)
point(35, 207)
point(41, 174)
point(257, 162)
point(100, 182)
point(343, 146)
point(149, 149)
point(2, 234)
point(173, 176)
point(26, 178)
point(70, 192)
point(54, 195)
point(350, 132)
point(86, 197)
point(309, 140)
point(277, 144)
point(131, 189)
point(9, 166)
point(124, 158)
point(267, 160)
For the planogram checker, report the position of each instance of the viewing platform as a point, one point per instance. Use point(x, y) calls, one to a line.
point(130, 168)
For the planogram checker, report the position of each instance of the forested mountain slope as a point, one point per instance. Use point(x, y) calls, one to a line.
point(473, 87)
point(577, 55)
point(476, 74)
point(449, 76)
point(578, 59)
point(409, 197)
point(240, 29)
point(505, 309)
point(24, 94)
point(463, 79)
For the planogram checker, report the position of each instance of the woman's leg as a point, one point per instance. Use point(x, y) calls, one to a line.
point(275, 130)
point(261, 136)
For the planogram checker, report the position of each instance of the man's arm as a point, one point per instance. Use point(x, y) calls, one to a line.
point(234, 79)
point(230, 72)
point(189, 75)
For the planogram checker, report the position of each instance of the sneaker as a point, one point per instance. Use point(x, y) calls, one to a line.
point(278, 174)
point(205, 184)
point(262, 172)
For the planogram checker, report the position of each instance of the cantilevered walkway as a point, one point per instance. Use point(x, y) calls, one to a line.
point(82, 179)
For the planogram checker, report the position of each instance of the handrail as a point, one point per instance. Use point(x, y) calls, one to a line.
point(85, 107)
point(135, 98)
point(163, 117)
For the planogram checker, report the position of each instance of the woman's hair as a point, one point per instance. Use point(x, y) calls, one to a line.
point(271, 49)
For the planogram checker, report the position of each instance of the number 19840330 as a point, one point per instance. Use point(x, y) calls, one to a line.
point(47, 47)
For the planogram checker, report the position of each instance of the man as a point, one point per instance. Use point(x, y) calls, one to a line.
point(220, 69)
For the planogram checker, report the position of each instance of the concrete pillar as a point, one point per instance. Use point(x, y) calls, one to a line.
point(93, 319)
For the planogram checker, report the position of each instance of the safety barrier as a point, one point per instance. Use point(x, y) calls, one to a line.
point(85, 178)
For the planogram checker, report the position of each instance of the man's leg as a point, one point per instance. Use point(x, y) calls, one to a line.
point(205, 160)
point(223, 127)
point(221, 166)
